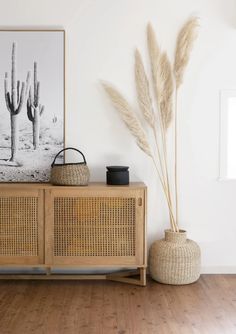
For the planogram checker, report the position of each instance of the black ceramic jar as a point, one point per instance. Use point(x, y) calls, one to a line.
point(117, 175)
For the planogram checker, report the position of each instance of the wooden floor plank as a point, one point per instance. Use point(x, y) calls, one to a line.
point(103, 307)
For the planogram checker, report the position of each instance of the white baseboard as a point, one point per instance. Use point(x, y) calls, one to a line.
point(218, 270)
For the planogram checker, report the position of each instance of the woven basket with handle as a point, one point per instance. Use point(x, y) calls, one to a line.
point(70, 174)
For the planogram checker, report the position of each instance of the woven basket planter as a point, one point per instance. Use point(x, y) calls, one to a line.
point(175, 259)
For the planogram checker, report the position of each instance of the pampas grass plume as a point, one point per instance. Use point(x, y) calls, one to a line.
point(155, 58)
point(184, 45)
point(143, 93)
point(129, 117)
point(167, 92)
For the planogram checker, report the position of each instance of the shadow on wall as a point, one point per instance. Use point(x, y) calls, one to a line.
point(98, 172)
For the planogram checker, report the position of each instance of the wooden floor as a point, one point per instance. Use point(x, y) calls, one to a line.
point(98, 307)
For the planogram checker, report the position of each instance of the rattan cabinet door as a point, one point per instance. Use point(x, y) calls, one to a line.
point(95, 227)
point(21, 226)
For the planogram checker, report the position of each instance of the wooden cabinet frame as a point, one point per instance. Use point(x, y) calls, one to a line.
point(45, 195)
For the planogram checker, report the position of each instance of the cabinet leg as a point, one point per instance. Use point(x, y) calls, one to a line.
point(48, 271)
point(127, 277)
point(143, 279)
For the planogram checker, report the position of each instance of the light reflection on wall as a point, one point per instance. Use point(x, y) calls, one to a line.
point(231, 137)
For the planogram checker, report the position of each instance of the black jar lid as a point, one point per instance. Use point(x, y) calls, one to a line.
point(117, 168)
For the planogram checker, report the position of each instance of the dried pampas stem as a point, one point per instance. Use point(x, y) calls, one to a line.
point(172, 218)
point(184, 45)
point(176, 160)
point(163, 90)
point(128, 116)
point(166, 109)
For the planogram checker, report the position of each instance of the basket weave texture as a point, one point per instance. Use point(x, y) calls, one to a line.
point(175, 259)
point(71, 174)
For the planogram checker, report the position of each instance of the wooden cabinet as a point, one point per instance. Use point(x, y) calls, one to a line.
point(96, 226)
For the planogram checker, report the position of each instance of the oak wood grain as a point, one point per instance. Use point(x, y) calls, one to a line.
point(101, 307)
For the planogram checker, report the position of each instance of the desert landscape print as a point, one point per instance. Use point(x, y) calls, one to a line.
point(31, 104)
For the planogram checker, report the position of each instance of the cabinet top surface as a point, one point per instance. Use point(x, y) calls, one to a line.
point(94, 185)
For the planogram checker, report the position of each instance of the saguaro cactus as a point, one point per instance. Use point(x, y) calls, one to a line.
point(34, 109)
point(14, 101)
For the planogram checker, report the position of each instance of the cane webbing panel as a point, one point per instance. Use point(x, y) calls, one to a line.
point(94, 226)
point(18, 226)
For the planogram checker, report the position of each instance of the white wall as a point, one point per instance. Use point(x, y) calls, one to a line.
point(101, 37)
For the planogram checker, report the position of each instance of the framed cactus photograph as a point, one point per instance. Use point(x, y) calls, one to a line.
point(32, 103)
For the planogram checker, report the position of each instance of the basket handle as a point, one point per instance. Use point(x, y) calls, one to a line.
point(65, 149)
